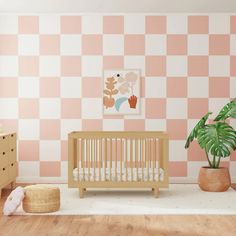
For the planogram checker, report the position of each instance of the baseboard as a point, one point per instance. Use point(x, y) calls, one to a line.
point(42, 180)
point(61, 180)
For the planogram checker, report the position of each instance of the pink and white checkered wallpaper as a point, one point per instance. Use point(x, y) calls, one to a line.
point(51, 70)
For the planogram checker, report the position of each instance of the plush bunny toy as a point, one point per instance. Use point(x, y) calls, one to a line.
point(13, 201)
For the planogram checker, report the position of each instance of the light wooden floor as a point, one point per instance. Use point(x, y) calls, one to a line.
point(115, 225)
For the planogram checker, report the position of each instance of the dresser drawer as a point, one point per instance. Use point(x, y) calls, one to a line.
point(4, 158)
point(12, 155)
point(4, 142)
point(12, 171)
point(4, 175)
point(12, 141)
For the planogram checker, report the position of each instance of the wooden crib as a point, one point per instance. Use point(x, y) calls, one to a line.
point(118, 160)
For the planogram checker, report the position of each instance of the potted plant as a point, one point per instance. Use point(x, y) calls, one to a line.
point(218, 140)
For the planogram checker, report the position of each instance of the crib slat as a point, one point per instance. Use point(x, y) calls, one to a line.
point(105, 162)
point(89, 153)
point(121, 158)
point(82, 157)
point(141, 152)
point(153, 156)
point(110, 169)
point(160, 143)
point(100, 157)
point(146, 157)
point(126, 156)
point(131, 157)
point(79, 160)
point(94, 159)
point(136, 158)
point(116, 159)
point(149, 158)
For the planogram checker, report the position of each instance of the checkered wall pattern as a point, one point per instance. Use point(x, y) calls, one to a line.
point(51, 70)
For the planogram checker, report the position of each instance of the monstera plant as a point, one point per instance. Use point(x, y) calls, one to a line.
point(218, 140)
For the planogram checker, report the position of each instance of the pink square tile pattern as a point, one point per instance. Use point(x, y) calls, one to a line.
point(92, 125)
point(28, 150)
point(49, 87)
point(28, 24)
point(177, 45)
point(113, 24)
point(155, 24)
point(155, 108)
point(28, 108)
point(71, 66)
point(197, 107)
point(113, 62)
point(155, 65)
point(219, 44)
point(198, 24)
point(8, 45)
point(134, 44)
point(70, 108)
point(91, 87)
point(134, 125)
point(49, 44)
point(198, 66)
point(233, 24)
point(91, 44)
point(178, 168)
point(177, 87)
point(50, 129)
point(70, 24)
point(8, 87)
point(233, 65)
point(177, 129)
point(219, 87)
point(172, 35)
point(50, 169)
point(28, 66)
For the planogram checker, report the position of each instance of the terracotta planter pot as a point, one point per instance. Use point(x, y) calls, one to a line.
point(214, 180)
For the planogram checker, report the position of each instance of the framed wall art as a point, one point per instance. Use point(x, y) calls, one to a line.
point(121, 92)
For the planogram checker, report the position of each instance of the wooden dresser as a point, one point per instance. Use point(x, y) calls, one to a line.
point(8, 163)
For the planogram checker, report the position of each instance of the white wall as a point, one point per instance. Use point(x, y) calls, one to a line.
point(116, 6)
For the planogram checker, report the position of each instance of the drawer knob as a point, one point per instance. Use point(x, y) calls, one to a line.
point(12, 164)
point(12, 135)
point(3, 137)
point(12, 149)
point(3, 153)
point(3, 169)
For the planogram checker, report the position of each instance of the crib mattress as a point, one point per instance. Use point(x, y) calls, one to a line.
point(139, 174)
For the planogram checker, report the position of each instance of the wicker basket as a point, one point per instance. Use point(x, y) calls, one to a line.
point(41, 199)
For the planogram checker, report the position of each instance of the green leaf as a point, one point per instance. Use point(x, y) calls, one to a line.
point(217, 139)
point(196, 129)
point(228, 111)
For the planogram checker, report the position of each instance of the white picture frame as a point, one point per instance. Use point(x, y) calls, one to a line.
point(121, 92)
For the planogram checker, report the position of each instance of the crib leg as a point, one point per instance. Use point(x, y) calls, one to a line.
point(81, 192)
point(156, 192)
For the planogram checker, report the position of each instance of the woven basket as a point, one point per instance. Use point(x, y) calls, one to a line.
point(41, 199)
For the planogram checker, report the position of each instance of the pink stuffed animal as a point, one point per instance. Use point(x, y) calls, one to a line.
point(13, 201)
